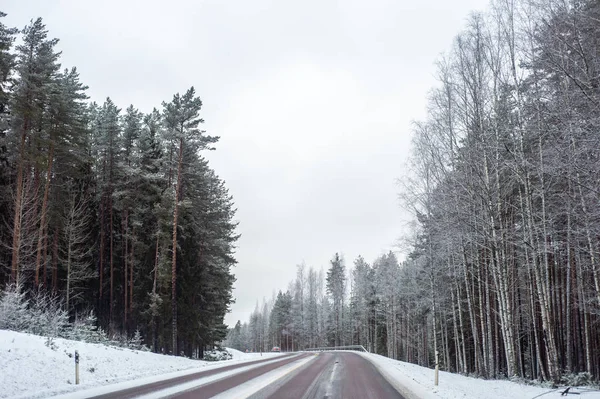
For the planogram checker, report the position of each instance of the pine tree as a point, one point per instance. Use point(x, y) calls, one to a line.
point(7, 66)
point(67, 120)
point(107, 144)
point(182, 119)
point(37, 66)
point(336, 287)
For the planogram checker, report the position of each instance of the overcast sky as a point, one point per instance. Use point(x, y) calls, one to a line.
point(313, 101)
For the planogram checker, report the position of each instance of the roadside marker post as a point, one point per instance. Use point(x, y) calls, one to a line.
point(76, 368)
point(437, 368)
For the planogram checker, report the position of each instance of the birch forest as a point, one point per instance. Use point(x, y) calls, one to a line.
point(113, 213)
point(500, 269)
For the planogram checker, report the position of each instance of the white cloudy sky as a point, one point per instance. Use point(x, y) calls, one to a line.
point(312, 99)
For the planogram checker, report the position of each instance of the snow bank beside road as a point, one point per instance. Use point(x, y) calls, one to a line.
point(239, 355)
point(417, 382)
point(32, 366)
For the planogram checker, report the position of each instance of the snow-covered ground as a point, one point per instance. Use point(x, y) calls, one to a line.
point(417, 382)
point(238, 355)
point(32, 367)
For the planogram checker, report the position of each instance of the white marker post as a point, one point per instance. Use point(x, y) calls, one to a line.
point(76, 368)
point(437, 368)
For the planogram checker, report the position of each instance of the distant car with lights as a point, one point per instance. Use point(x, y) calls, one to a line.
point(276, 349)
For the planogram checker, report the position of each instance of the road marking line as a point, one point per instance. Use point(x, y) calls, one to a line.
point(328, 391)
point(254, 385)
point(179, 388)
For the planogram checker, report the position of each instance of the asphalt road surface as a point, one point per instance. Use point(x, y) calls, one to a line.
point(157, 386)
point(332, 375)
point(324, 375)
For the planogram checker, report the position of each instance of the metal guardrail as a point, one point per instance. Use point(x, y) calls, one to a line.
point(337, 348)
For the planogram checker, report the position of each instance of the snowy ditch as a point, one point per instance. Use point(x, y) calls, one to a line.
point(416, 382)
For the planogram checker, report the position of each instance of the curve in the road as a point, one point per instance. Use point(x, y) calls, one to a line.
point(325, 375)
point(333, 375)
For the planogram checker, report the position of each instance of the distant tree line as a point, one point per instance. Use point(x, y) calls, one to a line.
point(335, 307)
point(110, 210)
point(502, 276)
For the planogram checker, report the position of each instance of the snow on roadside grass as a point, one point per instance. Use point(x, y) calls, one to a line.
point(31, 368)
point(417, 382)
point(239, 355)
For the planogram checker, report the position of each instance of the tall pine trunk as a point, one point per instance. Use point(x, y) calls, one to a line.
point(55, 263)
point(42, 228)
point(125, 269)
point(131, 258)
point(16, 242)
point(45, 258)
point(111, 260)
point(174, 258)
point(155, 311)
